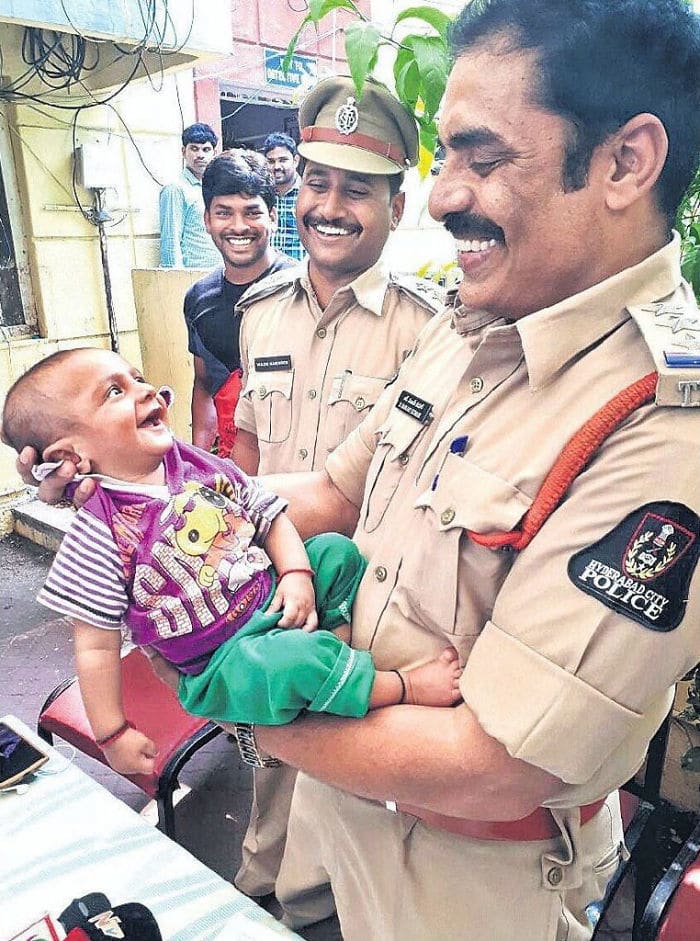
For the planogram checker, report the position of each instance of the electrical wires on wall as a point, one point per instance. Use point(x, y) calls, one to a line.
point(61, 62)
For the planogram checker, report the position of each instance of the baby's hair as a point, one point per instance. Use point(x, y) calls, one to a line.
point(33, 413)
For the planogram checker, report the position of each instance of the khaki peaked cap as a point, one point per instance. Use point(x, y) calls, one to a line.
point(373, 135)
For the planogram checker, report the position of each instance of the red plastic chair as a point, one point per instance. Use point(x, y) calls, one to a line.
point(154, 709)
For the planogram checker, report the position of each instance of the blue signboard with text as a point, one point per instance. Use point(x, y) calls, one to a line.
point(302, 70)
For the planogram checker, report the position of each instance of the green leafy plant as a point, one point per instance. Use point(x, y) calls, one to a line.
point(688, 224)
point(421, 59)
point(421, 66)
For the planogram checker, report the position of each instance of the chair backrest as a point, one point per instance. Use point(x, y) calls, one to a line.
point(673, 910)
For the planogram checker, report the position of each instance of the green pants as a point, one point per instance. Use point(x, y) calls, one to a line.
point(267, 675)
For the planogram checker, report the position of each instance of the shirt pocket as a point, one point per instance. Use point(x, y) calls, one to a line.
point(270, 394)
point(397, 438)
point(350, 399)
point(449, 581)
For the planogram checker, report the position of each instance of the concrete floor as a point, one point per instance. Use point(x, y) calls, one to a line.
point(36, 654)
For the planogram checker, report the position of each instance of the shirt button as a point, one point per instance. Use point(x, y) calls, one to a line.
point(321, 332)
point(447, 516)
point(555, 875)
point(262, 392)
point(312, 393)
point(303, 453)
point(359, 403)
point(403, 459)
point(476, 385)
point(380, 573)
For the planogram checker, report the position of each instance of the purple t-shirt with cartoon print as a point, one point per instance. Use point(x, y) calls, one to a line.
point(181, 565)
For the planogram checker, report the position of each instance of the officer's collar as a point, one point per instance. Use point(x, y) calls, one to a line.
point(368, 288)
point(555, 335)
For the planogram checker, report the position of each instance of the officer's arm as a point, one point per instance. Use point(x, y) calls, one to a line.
point(316, 505)
point(203, 411)
point(436, 758)
point(245, 452)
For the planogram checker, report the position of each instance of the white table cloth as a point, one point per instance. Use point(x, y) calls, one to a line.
point(67, 836)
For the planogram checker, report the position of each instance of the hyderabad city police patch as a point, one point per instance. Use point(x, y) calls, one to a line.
point(642, 567)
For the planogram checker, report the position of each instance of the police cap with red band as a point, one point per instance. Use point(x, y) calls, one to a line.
point(374, 134)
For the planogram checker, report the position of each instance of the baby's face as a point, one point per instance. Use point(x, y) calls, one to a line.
point(121, 422)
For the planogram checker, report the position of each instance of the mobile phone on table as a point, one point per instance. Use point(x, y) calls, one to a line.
point(18, 757)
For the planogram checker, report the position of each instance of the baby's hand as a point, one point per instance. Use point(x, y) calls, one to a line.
point(296, 599)
point(131, 753)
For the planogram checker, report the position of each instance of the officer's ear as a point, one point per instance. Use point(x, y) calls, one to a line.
point(274, 218)
point(207, 219)
point(637, 154)
point(398, 204)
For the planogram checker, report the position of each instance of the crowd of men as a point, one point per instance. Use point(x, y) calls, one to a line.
point(429, 434)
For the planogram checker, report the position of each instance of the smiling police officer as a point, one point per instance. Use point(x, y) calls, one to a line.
point(320, 342)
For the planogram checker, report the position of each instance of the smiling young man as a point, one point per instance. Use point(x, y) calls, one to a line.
point(320, 342)
point(282, 158)
point(184, 242)
point(240, 217)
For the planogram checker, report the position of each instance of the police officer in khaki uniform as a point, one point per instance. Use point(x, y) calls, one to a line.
point(319, 342)
point(572, 594)
point(570, 135)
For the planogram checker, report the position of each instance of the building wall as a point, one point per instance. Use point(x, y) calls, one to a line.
point(257, 24)
point(58, 250)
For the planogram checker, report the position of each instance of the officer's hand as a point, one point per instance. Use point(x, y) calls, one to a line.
point(51, 489)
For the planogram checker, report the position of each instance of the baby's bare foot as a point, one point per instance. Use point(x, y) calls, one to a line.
point(436, 683)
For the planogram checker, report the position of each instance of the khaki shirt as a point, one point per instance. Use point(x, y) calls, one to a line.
point(561, 679)
point(310, 376)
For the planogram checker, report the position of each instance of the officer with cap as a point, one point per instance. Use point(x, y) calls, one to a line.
point(319, 342)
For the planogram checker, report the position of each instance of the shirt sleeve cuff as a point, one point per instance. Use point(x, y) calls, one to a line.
point(539, 712)
point(347, 467)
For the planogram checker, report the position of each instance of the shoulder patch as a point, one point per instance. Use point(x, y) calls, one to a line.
point(427, 293)
point(642, 567)
point(269, 286)
point(671, 330)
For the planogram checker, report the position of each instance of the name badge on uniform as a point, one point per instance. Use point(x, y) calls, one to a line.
point(273, 363)
point(417, 408)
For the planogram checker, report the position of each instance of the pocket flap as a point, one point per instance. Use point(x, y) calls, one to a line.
point(468, 497)
point(264, 384)
point(360, 391)
point(398, 433)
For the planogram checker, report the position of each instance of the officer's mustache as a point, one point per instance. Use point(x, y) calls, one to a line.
point(310, 221)
point(466, 225)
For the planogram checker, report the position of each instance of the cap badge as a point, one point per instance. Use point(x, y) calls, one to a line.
point(347, 117)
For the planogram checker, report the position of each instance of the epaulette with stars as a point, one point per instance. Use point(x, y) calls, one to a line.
point(671, 330)
point(429, 294)
point(268, 286)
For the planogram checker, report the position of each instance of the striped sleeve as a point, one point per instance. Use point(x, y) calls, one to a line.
point(86, 579)
point(261, 505)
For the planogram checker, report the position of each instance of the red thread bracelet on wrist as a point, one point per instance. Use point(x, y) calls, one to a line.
point(281, 575)
point(110, 739)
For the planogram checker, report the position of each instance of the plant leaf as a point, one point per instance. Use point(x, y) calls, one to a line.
point(361, 44)
point(289, 53)
point(407, 78)
point(320, 8)
point(426, 151)
point(433, 66)
point(440, 21)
